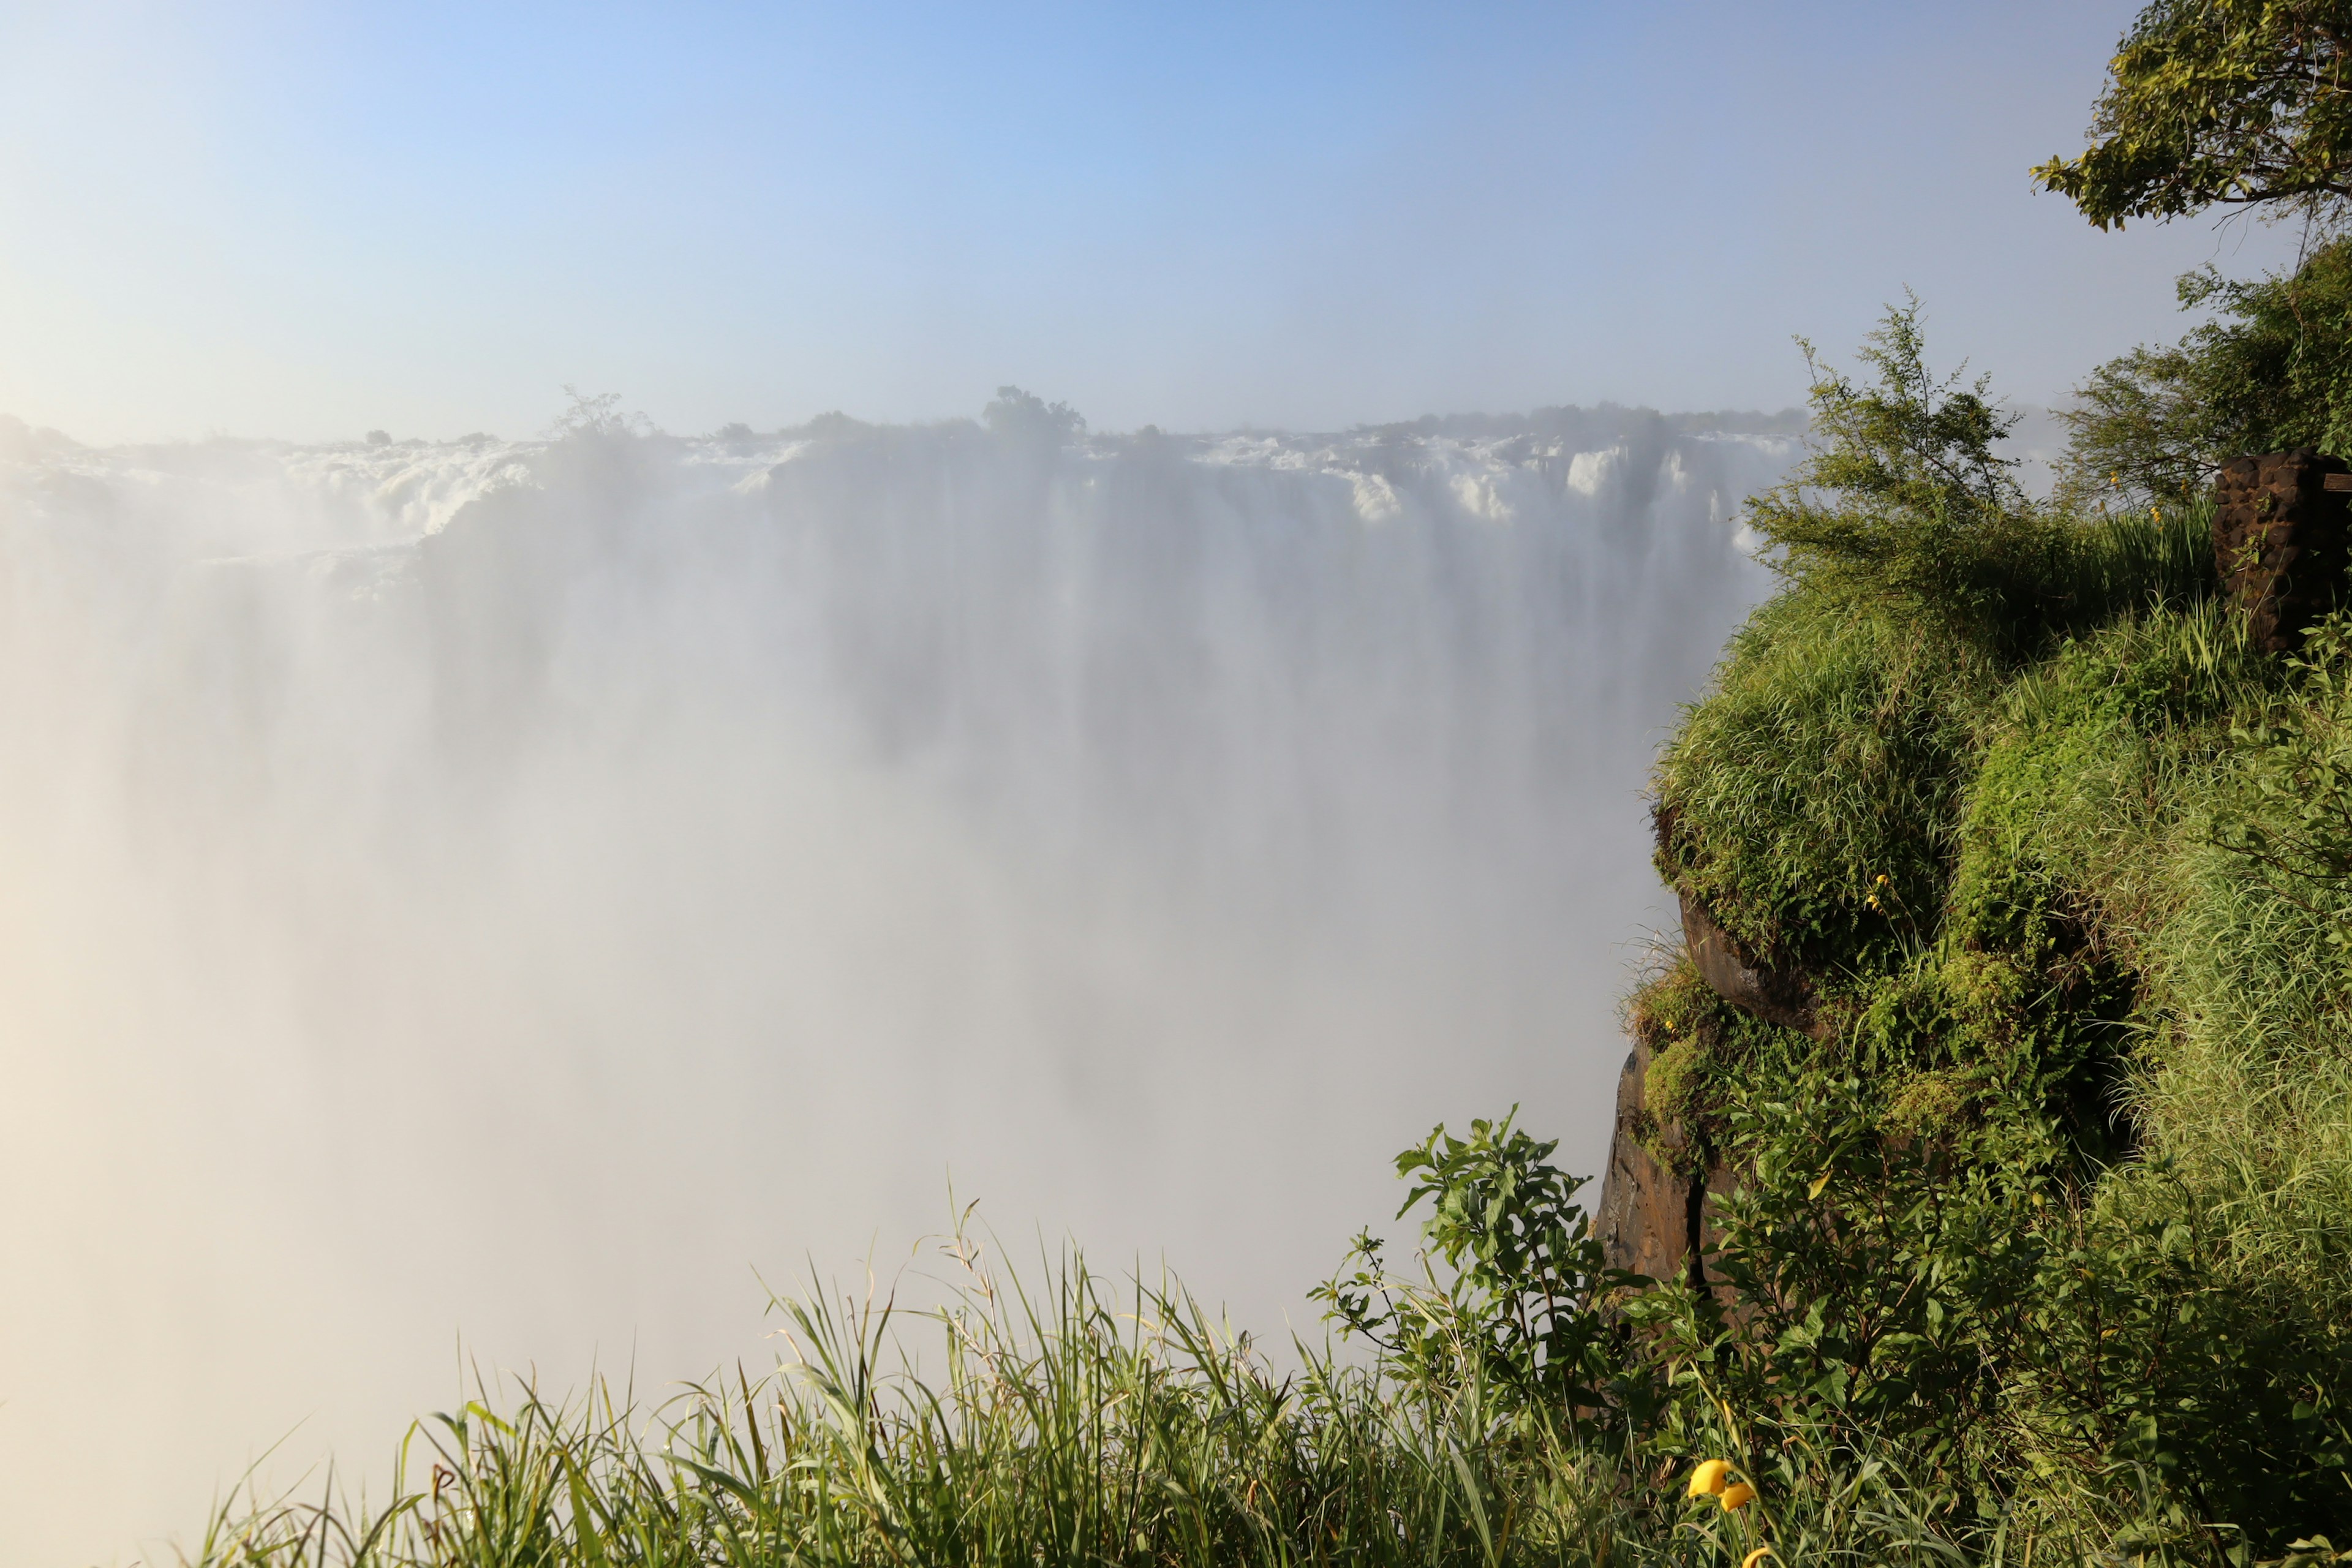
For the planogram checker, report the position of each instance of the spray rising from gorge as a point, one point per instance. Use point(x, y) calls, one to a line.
point(510, 890)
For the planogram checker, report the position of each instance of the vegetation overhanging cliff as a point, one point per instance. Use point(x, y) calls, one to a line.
point(2000, 1075)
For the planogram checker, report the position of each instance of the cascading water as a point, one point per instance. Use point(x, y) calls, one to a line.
point(505, 892)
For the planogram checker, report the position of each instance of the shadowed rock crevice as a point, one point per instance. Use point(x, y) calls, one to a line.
point(1654, 1218)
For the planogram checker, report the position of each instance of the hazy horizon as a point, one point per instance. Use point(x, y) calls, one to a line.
point(276, 222)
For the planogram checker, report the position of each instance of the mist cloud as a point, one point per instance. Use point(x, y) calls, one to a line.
point(510, 889)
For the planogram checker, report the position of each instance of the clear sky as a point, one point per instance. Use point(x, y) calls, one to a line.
point(307, 220)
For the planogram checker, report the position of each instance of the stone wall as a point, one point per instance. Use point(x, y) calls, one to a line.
point(2279, 541)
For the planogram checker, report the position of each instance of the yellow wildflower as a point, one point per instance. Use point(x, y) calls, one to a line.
point(1708, 1478)
point(1739, 1494)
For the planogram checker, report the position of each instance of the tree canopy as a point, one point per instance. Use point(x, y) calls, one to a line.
point(2272, 370)
point(2219, 101)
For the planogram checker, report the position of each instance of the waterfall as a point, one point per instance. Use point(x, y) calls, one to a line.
point(501, 894)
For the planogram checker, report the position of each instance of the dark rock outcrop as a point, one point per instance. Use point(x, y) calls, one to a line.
point(1653, 1219)
point(1644, 1220)
point(1776, 998)
point(2280, 541)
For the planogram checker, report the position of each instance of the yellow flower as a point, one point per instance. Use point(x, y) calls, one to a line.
point(1753, 1558)
point(1708, 1478)
point(1739, 1494)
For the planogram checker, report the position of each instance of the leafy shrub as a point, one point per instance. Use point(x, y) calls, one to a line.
point(2294, 807)
point(1519, 1303)
point(1903, 499)
point(1703, 1053)
point(1811, 802)
point(2021, 1345)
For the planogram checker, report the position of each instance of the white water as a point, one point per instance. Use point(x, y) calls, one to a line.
point(509, 891)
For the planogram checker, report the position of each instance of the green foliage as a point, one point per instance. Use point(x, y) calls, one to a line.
point(1907, 1289)
point(1704, 1052)
point(2295, 809)
point(1684, 1086)
point(1084, 1423)
point(2219, 101)
point(1816, 804)
point(1903, 499)
point(1518, 1303)
point(2058, 1207)
point(1855, 1260)
point(1906, 447)
point(1073, 1423)
point(1809, 803)
point(2273, 370)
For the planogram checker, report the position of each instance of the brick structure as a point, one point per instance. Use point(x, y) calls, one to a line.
point(2280, 541)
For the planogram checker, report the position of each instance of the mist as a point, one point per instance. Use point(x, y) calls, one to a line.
point(494, 902)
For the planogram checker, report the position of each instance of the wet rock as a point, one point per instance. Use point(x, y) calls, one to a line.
point(1652, 1219)
point(1643, 1219)
point(2280, 541)
point(1775, 997)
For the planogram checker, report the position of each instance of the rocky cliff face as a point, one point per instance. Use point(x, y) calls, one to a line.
point(2283, 546)
point(1653, 1219)
point(1656, 1214)
point(1645, 1220)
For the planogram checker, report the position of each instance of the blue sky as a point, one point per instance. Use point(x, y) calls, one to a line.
point(308, 220)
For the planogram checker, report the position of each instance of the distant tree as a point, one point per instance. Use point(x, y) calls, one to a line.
point(599, 417)
point(1013, 411)
point(2227, 102)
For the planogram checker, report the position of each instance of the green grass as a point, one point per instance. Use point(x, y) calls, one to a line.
point(1081, 1422)
point(2009, 871)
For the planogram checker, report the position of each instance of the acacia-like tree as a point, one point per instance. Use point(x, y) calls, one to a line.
point(2219, 101)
